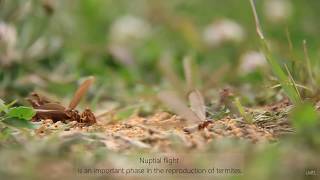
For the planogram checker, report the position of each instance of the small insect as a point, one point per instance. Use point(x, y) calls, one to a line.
point(196, 113)
point(46, 109)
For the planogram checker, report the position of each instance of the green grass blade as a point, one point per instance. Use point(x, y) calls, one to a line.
point(247, 117)
point(282, 77)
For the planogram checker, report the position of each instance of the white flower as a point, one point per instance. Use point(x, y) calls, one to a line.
point(277, 11)
point(223, 31)
point(250, 61)
point(129, 28)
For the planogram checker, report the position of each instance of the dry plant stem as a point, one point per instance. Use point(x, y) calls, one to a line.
point(285, 81)
point(298, 86)
point(256, 18)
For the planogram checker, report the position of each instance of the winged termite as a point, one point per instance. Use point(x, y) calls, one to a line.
point(197, 111)
point(188, 74)
point(195, 98)
point(197, 104)
point(45, 109)
point(83, 88)
point(178, 106)
point(52, 106)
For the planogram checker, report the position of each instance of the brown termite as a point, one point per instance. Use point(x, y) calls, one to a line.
point(46, 109)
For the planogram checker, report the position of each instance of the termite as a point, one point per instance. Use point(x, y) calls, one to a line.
point(45, 109)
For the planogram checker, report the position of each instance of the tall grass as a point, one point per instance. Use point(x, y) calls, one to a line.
point(308, 64)
point(284, 79)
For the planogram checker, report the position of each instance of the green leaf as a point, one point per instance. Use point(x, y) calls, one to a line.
point(246, 117)
point(19, 123)
point(21, 112)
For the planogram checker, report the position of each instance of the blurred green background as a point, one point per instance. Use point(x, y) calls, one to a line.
point(136, 49)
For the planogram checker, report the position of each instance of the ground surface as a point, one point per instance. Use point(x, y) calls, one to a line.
point(254, 98)
point(156, 131)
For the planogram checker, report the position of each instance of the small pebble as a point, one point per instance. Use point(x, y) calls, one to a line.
point(48, 121)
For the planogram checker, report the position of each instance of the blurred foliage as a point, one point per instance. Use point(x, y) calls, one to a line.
point(306, 121)
point(49, 45)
